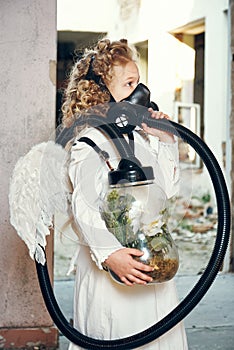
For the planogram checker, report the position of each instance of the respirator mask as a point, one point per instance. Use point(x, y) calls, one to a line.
point(130, 112)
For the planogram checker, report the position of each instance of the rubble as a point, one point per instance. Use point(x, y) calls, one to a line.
point(193, 227)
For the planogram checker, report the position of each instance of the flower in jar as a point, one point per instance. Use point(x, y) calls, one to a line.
point(155, 227)
point(134, 214)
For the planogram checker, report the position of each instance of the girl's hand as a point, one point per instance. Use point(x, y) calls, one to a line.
point(162, 135)
point(130, 271)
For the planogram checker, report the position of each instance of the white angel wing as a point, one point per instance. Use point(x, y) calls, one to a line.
point(39, 188)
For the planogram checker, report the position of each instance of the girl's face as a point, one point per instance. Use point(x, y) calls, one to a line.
point(124, 80)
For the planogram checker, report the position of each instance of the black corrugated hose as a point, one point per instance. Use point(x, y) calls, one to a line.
point(206, 279)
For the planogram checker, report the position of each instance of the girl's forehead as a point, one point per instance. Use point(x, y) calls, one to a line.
point(128, 70)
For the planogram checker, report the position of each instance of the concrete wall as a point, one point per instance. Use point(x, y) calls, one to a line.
point(27, 112)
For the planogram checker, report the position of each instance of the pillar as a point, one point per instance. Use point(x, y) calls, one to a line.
point(27, 109)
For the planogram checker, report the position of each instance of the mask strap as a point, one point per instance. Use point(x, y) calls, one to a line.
point(102, 154)
point(96, 78)
point(90, 74)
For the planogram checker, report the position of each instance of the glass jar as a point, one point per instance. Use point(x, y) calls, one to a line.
point(137, 216)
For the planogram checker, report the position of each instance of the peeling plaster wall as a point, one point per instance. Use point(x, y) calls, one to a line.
point(27, 111)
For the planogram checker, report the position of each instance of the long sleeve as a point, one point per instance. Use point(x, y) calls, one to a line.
point(168, 159)
point(88, 174)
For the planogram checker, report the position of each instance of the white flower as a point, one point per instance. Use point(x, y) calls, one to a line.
point(135, 215)
point(154, 227)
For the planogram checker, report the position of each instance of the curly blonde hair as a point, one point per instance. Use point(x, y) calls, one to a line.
point(87, 81)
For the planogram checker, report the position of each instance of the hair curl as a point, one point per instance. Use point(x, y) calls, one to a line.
point(81, 92)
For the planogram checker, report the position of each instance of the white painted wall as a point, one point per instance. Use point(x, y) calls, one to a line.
point(216, 73)
point(89, 15)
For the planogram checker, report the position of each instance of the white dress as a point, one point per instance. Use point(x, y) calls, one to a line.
point(104, 309)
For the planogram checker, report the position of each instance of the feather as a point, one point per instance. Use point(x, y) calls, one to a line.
point(39, 188)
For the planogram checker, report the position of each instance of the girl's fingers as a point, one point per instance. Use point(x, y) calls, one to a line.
point(130, 280)
point(158, 114)
point(138, 277)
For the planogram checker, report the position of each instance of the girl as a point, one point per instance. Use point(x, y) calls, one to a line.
point(104, 309)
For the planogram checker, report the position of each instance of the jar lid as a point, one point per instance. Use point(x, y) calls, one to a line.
point(130, 173)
